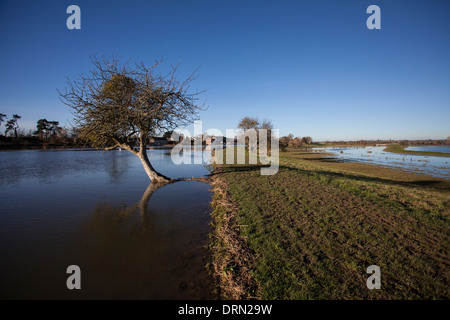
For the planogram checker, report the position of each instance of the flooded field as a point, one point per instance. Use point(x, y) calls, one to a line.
point(443, 149)
point(97, 210)
point(434, 166)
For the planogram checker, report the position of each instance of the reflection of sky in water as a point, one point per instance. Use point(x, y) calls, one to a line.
point(161, 161)
point(443, 149)
point(48, 196)
point(435, 166)
point(49, 166)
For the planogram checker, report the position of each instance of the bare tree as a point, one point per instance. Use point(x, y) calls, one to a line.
point(121, 105)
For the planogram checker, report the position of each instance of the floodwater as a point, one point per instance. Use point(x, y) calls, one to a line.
point(431, 165)
point(443, 149)
point(97, 210)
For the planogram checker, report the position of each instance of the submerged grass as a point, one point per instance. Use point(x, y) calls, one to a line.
point(311, 231)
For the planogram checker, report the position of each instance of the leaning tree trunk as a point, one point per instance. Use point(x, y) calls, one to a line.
point(154, 175)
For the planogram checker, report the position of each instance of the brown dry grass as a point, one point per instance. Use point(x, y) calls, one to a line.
point(232, 258)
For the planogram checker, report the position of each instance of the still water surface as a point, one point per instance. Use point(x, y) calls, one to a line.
point(98, 211)
point(431, 165)
point(443, 149)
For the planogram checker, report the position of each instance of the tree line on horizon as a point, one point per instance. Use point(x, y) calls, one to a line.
point(47, 132)
point(297, 142)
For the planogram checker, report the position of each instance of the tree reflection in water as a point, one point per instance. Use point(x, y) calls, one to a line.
point(150, 250)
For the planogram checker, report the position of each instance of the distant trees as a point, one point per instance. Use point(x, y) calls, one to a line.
point(284, 142)
point(2, 118)
point(47, 129)
point(252, 123)
point(307, 140)
point(12, 125)
point(42, 128)
point(46, 132)
point(248, 123)
point(53, 128)
point(402, 142)
point(296, 142)
point(290, 141)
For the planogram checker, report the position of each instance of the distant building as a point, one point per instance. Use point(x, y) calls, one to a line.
point(158, 141)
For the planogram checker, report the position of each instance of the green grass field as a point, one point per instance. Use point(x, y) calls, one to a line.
point(311, 231)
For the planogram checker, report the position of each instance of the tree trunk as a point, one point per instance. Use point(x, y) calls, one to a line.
point(154, 175)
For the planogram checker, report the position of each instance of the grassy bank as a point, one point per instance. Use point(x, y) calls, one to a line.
point(311, 231)
point(396, 148)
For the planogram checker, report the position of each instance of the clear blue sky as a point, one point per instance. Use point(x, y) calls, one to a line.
point(312, 67)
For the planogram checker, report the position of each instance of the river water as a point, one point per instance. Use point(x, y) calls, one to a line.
point(98, 211)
